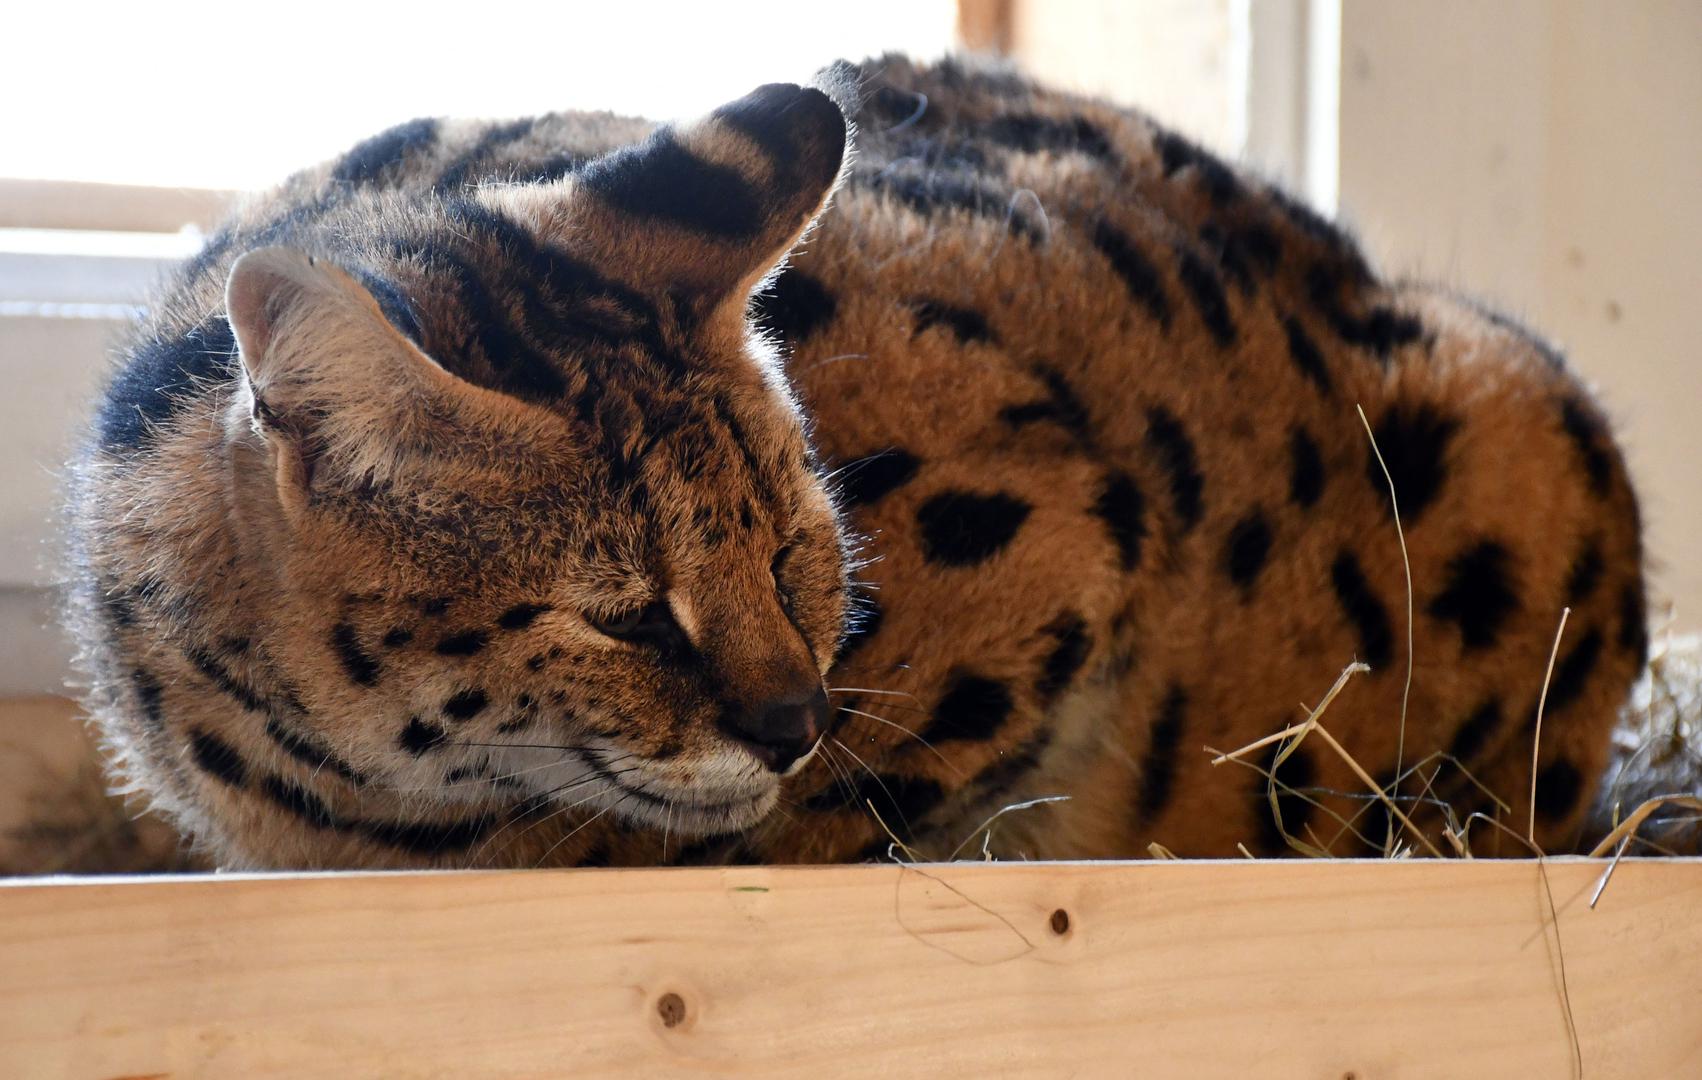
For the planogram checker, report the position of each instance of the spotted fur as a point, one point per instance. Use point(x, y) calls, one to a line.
point(511, 494)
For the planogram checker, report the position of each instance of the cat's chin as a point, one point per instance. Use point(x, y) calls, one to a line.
point(689, 813)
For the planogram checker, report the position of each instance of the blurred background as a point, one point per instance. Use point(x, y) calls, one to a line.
point(1544, 154)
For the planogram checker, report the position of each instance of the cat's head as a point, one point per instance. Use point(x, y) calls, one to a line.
point(542, 511)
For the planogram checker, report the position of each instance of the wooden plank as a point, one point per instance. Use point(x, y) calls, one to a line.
point(1359, 969)
point(76, 204)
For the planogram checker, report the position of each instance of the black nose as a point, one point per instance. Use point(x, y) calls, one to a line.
point(781, 731)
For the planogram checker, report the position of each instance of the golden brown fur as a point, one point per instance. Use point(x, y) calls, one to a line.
point(1086, 394)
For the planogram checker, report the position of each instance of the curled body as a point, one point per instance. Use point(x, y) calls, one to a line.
point(840, 467)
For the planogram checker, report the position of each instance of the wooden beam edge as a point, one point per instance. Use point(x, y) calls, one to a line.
point(1225, 968)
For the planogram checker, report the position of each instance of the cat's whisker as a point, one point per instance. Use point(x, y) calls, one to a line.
point(554, 813)
point(900, 727)
point(834, 360)
point(867, 690)
point(565, 758)
point(877, 779)
point(581, 748)
point(840, 778)
point(575, 831)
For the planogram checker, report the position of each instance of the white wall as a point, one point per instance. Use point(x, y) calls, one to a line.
point(1548, 154)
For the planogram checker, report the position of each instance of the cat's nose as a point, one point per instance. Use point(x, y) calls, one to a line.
point(780, 731)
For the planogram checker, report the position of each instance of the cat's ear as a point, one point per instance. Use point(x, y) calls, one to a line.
point(329, 377)
point(717, 204)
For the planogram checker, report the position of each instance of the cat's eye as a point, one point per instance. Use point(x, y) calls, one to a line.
point(651, 622)
point(775, 570)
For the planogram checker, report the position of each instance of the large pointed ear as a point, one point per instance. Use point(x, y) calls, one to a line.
point(708, 209)
point(332, 382)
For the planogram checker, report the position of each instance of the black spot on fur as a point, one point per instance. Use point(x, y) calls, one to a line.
point(973, 707)
point(468, 166)
point(159, 378)
point(427, 837)
point(1244, 252)
point(1072, 643)
point(661, 179)
point(1307, 357)
point(1158, 767)
point(1413, 439)
point(1370, 618)
point(307, 750)
point(1475, 733)
point(1169, 440)
point(247, 696)
point(1383, 330)
point(1229, 258)
point(1293, 776)
point(148, 695)
point(866, 480)
point(397, 637)
point(1201, 284)
point(795, 306)
point(1590, 436)
point(1305, 469)
point(394, 304)
point(501, 354)
point(927, 189)
point(1586, 573)
point(1247, 549)
point(1342, 254)
point(217, 757)
point(460, 774)
point(967, 326)
point(464, 643)
point(1559, 787)
point(1177, 153)
point(1123, 509)
point(1479, 595)
point(1011, 767)
point(963, 528)
point(465, 705)
point(1140, 276)
point(119, 606)
point(299, 801)
point(368, 161)
point(1573, 671)
point(544, 170)
point(1634, 623)
point(435, 605)
point(1032, 134)
point(520, 616)
point(1061, 406)
point(1380, 331)
point(419, 736)
point(361, 666)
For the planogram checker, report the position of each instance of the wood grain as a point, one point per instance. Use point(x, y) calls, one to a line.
point(1339, 969)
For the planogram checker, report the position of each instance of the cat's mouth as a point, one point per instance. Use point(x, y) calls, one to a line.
point(686, 810)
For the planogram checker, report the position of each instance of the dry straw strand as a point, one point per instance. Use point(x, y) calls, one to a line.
point(1406, 566)
point(1536, 740)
